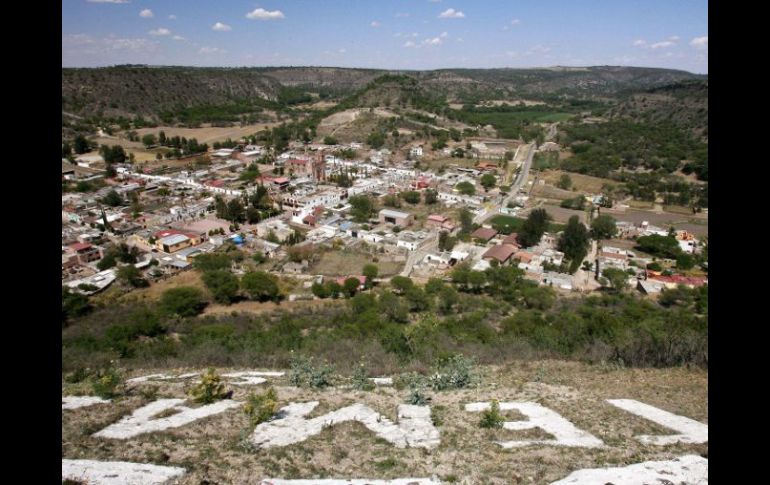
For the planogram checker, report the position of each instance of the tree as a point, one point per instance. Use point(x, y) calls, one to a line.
point(565, 182)
point(411, 196)
point(330, 140)
point(466, 188)
point(162, 137)
point(362, 207)
point(431, 196)
point(603, 227)
point(112, 199)
point(81, 145)
point(534, 227)
point(401, 283)
point(657, 245)
point(445, 241)
point(235, 211)
point(222, 284)
point(350, 285)
point(574, 242)
point(260, 286)
point(488, 181)
point(212, 262)
point(685, 261)
point(148, 140)
point(375, 140)
point(73, 304)
point(466, 221)
point(66, 150)
point(370, 271)
point(319, 290)
point(185, 301)
point(617, 278)
point(131, 276)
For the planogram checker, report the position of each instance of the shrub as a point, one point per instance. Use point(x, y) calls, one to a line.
point(491, 418)
point(106, 381)
point(261, 407)
point(305, 374)
point(185, 301)
point(210, 388)
point(456, 372)
point(417, 397)
point(360, 380)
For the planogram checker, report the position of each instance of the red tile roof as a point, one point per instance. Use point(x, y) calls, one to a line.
point(79, 246)
point(502, 252)
point(484, 233)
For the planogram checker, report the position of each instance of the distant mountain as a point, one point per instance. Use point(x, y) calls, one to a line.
point(684, 104)
point(149, 91)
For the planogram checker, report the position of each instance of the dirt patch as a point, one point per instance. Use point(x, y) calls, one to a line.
point(580, 182)
point(154, 292)
point(337, 263)
point(208, 134)
point(266, 307)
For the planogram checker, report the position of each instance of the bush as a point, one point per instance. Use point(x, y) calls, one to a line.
point(456, 372)
point(261, 407)
point(417, 397)
point(260, 286)
point(106, 381)
point(360, 380)
point(185, 301)
point(491, 418)
point(305, 374)
point(210, 388)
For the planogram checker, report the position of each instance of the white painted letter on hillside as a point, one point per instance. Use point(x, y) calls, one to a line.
point(414, 428)
point(141, 421)
point(691, 431)
point(564, 432)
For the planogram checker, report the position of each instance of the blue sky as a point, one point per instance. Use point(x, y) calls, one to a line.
point(388, 34)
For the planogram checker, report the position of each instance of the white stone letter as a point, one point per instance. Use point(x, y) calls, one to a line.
point(414, 429)
point(691, 431)
point(117, 472)
point(689, 469)
point(566, 433)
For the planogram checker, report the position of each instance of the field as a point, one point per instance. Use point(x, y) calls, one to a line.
point(580, 182)
point(216, 450)
point(208, 134)
point(509, 224)
point(345, 263)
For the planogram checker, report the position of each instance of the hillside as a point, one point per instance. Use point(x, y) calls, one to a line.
point(149, 91)
point(684, 104)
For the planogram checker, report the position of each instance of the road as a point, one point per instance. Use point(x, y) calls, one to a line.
point(514, 192)
point(428, 246)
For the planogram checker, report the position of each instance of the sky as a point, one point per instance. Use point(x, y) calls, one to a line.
point(387, 34)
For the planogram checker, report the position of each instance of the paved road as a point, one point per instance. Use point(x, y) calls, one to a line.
point(514, 192)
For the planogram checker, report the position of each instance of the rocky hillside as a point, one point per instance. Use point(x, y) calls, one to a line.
point(684, 104)
point(148, 91)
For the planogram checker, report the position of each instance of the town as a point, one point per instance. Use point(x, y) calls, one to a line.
point(329, 205)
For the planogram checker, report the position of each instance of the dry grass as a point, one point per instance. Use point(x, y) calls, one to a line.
point(344, 263)
point(211, 449)
point(580, 182)
point(208, 134)
point(155, 290)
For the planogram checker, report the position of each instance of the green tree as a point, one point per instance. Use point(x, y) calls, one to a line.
point(330, 140)
point(431, 196)
point(81, 145)
point(260, 286)
point(603, 227)
point(488, 181)
point(685, 261)
point(370, 271)
point(149, 140)
point(235, 211)
point(574, 242)
point(73, 304)
point(212, 262)
point(362, 207)
point(222, 284)
point(534, 227)
point(112, 199)
point(131, 276)
point(466, 221)
point(351, 285)
point(657, 245)
point(466, 188)
point(185, 301)
point(411, 196)
point(565, 182)
point(617, 278)
point(401, 283)
point(376, 140)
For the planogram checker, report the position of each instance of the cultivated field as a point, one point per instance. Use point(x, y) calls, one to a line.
point(216, 449)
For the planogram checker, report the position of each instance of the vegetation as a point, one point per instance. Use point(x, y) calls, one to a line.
point(304, 373)
point(574, 242)
point(260, 286)
point(261, 407)
point(534, 227)
point(210, 389)
point(491, 418)
point(185, 301)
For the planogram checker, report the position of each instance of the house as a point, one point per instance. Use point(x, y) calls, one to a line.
point(649, 287)
point(85, 253)
point(416, 151)
point(439, 222)
point(401, 219)
point(559, 280)
point(361, 279)
point(486, 166)
point(512, 239)
point(407, 242)
point(484, 234)
point(676, 280)
point(501, 253)
point(171, 240)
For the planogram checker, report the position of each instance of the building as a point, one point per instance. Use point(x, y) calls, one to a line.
point(416, 151)
point(85, 253)
point(401, 219)
point(314, 168)
point(439, 222)
point(501, 253)
point(171, 240)
point(484, 234)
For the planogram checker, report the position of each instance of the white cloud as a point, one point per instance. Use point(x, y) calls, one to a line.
point(662, 44)
point(409, 43)
point(109, 1)
point(674, 38)
point(436, 40)
point(262, 14)
point(342, 51)
point(146, 14)
point(178, 37)
point(375, 24)
point(219, 26)
point(403, 15)
point(211, 50)
point(444, 35)
point(172, 17)
point(451, 13)
point(515, 22)
point(639, 43)
point(160, 31)
point(700, 42)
